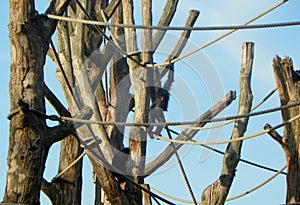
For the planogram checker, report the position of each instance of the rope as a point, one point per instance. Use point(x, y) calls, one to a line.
point(181, 168)
point(184, 122)
point(242, 160)
point(230, 121)
point(258, 186)
point(229, 199)
point(70, 166)
point(233, 29)
point(231, 140)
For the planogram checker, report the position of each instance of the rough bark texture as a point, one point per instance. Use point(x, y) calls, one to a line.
point(288, 84)
point(29, 39)
point(218, 191)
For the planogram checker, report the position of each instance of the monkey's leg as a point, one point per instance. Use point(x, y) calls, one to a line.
point(156, 115)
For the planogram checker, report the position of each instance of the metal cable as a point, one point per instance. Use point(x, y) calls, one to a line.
point(242, 160)
point(234, 29)
point(183, 122)
point(231, 140)
point(229, 199)
point(178, 28)
point(64, 118)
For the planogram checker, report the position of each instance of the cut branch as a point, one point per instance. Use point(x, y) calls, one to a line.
point(216, 193)
point(165, 20)
point(274, 134)
point(193, 16)
point(189, 133)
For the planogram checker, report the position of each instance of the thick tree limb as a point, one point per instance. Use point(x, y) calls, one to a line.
point(165, 20)
point(189, 133)
point(56, 7)
point(27, 132)
point(58, 133)
point(193, 16)
point(119, 72)
point(55, 102)
point(217, 192)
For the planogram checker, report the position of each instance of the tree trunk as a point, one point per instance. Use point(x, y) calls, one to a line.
point(217, 192)
point(288, 85)
point(29, 39)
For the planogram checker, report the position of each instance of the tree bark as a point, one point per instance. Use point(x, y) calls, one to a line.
point(217, 192)
point(29, 38)
point(288, 85)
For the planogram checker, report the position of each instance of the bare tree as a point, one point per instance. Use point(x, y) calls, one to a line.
point(92, 62)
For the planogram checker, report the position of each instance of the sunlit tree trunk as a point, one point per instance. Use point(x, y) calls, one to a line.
point(28, 140)
point(288, 85)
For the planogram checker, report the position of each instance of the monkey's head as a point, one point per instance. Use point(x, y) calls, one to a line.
point(162, 99)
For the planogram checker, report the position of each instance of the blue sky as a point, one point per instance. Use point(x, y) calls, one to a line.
point(222, 58)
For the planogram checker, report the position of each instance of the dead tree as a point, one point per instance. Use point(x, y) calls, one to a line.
point(80, 47)
point(82, 58)
point(288, 85)
point(217, 192)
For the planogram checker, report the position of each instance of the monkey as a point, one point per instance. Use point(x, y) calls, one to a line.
point(160, 99)
point(156, 114)
point(122, 164)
